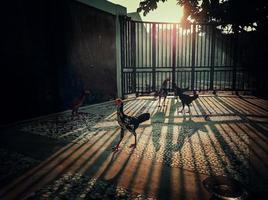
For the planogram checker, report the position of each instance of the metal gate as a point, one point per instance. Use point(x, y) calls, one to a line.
point(198, 56)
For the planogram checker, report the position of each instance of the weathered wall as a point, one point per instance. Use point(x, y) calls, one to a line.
point(51, 51)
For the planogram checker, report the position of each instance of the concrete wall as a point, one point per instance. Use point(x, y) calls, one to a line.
point(51, 51)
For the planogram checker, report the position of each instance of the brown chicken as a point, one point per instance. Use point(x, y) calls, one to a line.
point(77, 103)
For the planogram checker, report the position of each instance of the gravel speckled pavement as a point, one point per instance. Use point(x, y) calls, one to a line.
point(175, 151)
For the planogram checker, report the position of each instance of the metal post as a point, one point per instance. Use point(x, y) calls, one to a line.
point(173, 54)
point(119, 56)
point(121, 91)
point(212, 64)
point(235, 55)
point(133, 55)
point(153, 56)
point(193, 56)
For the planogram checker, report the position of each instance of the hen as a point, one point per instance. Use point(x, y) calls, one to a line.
point(129, 123)
point(78, 102)
point(186, 99)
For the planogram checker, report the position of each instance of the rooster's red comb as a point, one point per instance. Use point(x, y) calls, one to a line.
point(118, 101)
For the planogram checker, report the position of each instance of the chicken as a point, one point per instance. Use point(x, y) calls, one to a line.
point(178, 90)
point(79, 102)
point(163, 91)
point(129, 123)
point(186, 99)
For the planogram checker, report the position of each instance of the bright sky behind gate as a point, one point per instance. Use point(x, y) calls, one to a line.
point(165, 12)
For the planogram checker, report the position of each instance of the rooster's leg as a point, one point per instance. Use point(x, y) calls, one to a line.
point(189, 110)
point(182, 108)
point(134, 145)
point(121, 137)
point(164, 100)
point(159, 100)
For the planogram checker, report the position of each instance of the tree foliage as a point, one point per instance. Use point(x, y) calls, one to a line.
point(239, 13)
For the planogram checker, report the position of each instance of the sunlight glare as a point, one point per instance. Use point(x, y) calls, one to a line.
point(168, 11)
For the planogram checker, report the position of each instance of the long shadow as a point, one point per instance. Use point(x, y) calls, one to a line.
point(187, 129)
point(157, 121)
point(211, 109)
point(256, 142)
point(21, 194)
point(254, 104)
point(42, 165)
point(234, 160)
point(245, 119)
point(102, 158)
point(239, 103)
point(73, 185)
point(54, 166)
point(165, 176)
point(206, 157)
point(218, 105)
point(198, 185)
point(253, 151)
point(138, 165)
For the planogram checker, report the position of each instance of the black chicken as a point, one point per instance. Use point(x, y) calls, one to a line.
point(128, 122)
point(178, 90)
point(186, 99)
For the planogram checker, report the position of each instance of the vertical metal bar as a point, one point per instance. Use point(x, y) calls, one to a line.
point(173, 54)
point(178, 49)
point(185, 50)
point(201, 48)
point(146, 45)
point(153, 55)
point(212, 58)
point(235, 62)
point(133, 56)
point(142, 84)
point(220, 78)
point(122, 22)
point(150, 44)
point(205, 50)
point(158, 45)
point(142, 45)
point(197, 48)
point(138, 44)
point(182, 41)
point(193, 57)
point(190, 48)
point(162, 41)
point(166, 43)
point(129, 43)
point(138, 75)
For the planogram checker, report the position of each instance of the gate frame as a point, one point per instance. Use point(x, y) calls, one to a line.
point(193, 73)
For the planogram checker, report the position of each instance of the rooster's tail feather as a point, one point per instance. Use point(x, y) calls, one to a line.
point(143, 117)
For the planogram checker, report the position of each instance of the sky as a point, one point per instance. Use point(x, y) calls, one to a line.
point(165, 12)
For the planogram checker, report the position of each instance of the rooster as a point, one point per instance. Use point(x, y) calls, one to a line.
point(163, 91)
point(79, 102)
point(178, 90)
point(186, 99)
point(129, 123)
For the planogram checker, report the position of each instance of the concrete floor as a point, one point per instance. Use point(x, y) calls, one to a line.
point(175, 152)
